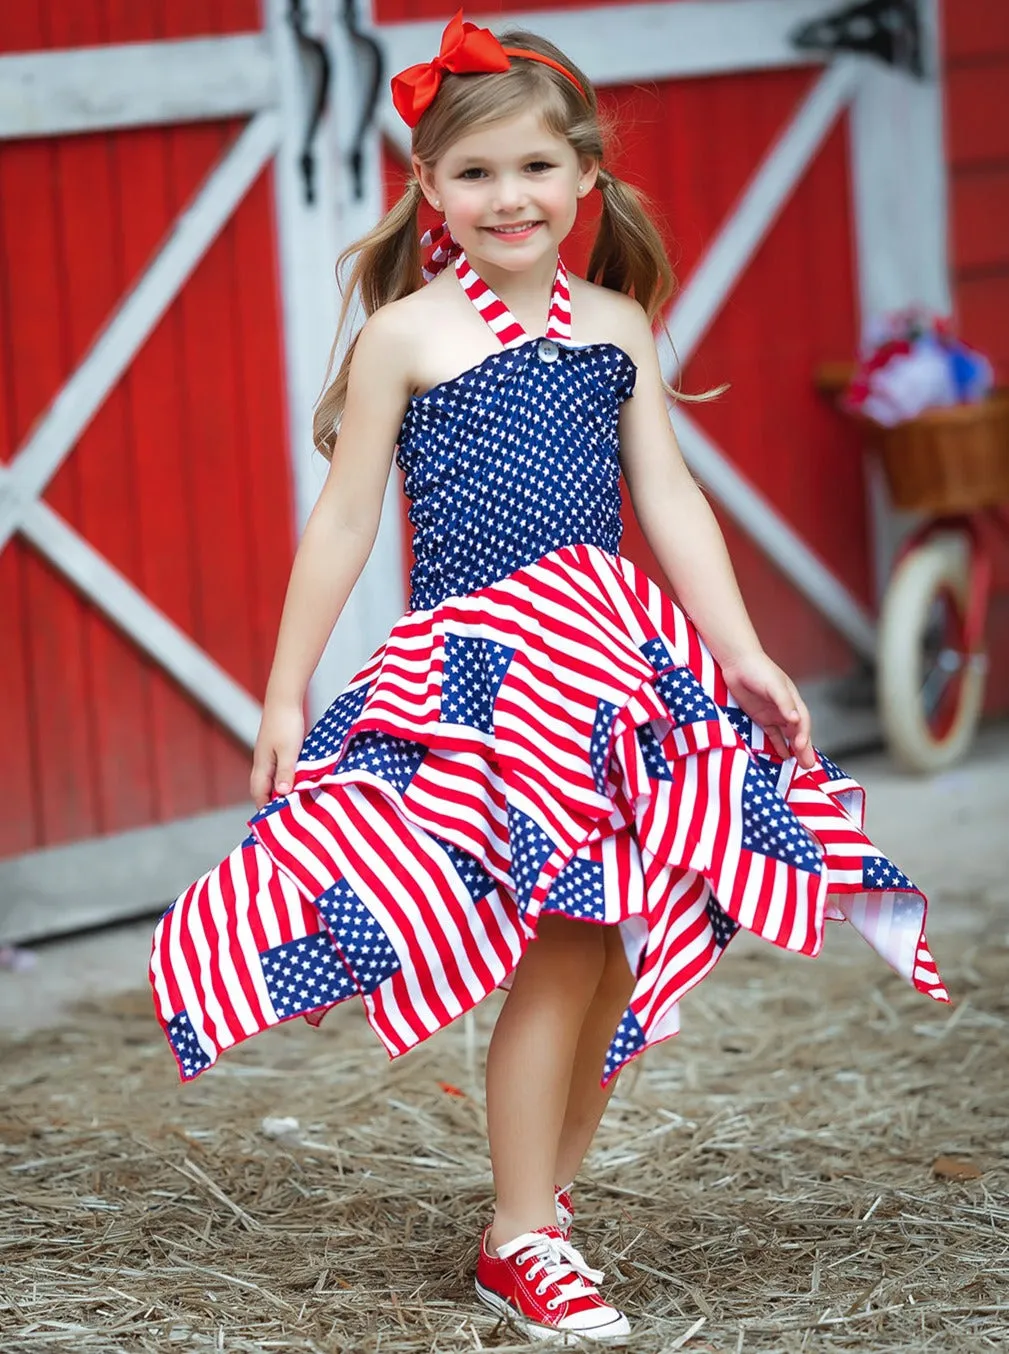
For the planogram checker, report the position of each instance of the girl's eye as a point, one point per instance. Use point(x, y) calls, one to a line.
point(474, 171)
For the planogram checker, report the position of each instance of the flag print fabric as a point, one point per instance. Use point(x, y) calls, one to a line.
point(543, 732)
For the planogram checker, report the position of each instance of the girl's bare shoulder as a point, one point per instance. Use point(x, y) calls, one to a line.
point(393, 336)
point(409, 324)
point(602, 315)
point(436, 332)
point(410, 315)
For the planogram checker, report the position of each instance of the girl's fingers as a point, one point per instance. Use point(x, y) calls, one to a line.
point(807, 754)
point(797, 703)
point(801, 719)
point(272, 775)
point(802, 743)
point(261, 782)
point(287, 757)
point(777, 740)
point(786, 698)
point(778, 708)
point(791, 736)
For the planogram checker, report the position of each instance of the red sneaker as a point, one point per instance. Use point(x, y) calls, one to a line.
point(541, 1284)
point(565, 1210)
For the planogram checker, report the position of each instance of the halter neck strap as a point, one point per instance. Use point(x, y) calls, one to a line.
point(500, 318)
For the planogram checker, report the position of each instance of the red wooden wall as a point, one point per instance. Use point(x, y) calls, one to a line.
point(181, 479)
point(692, 146)
point(976, 40)
point(977, 128)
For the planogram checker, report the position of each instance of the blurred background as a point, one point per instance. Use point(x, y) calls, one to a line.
point(176, 180)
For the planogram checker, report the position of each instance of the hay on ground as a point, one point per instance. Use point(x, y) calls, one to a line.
point(763, 1182)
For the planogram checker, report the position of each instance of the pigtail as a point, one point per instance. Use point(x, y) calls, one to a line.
point(386, 269)
point(628, 255)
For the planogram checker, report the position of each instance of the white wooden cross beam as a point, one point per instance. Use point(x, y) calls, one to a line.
point(135, 84)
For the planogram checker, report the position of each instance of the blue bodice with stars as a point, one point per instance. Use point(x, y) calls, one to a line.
point(514, 458)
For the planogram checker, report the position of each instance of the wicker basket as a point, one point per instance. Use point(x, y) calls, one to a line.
point(948, 460)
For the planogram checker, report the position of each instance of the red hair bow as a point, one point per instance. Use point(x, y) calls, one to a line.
point(465, 50)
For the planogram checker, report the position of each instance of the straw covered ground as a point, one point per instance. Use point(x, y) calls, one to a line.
point(767, 1181)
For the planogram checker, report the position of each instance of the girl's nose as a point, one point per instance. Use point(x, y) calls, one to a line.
point(510, 194)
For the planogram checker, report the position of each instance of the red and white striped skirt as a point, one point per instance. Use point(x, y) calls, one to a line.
point(560, 741)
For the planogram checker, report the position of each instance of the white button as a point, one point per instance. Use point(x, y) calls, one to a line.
point(548, 350)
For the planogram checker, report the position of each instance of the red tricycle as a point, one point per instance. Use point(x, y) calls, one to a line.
point(951, 464)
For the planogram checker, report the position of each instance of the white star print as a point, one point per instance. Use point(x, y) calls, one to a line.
point(491, 461)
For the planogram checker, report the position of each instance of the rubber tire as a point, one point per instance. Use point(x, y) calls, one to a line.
point(941, 563)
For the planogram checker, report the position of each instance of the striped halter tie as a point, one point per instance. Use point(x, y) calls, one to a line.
point(500, 318)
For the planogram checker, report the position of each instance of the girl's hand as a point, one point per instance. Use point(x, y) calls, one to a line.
point(769, 697)
point(281, 734)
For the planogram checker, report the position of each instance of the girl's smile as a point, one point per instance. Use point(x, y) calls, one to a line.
point(520, 231)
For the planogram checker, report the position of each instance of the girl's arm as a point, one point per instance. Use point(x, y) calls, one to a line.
point(688, 544)
point(335, 545)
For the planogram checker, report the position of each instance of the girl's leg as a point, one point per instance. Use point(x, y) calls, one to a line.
point(586, 1098)
point(529, 1065)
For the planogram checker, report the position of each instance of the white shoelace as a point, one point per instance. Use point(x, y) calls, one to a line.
point(556, 1262)
point(565, 1217)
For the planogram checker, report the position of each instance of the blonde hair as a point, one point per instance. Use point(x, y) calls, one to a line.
point(627, 255)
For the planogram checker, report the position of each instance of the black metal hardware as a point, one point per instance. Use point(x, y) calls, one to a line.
point(889, 30)
point(370, 54)
point(315, 58)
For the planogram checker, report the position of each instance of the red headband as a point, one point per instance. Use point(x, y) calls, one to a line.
point(465, 50)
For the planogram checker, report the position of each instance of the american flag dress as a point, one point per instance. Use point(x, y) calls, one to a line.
point(544, 731)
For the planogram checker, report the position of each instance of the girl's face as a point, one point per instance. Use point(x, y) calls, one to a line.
point(514, 173)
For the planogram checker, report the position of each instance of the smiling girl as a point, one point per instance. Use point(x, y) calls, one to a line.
point(548, 778)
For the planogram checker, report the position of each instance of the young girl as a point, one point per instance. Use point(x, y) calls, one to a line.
point(547, 777)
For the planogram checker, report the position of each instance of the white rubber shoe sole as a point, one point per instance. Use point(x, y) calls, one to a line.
point(614, 1332)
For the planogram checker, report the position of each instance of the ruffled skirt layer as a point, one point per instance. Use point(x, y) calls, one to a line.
point(560, 741)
